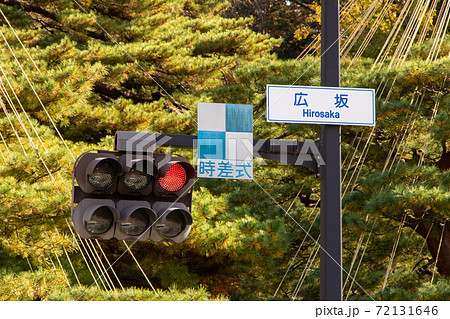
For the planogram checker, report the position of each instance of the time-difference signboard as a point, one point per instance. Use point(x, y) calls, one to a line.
point(320, 105)
point(225, 141)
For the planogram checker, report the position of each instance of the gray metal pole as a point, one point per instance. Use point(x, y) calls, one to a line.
point(330, 203)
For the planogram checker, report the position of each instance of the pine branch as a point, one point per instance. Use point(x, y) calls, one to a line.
point(114, 92)
point(52, 20)
point(26, 7)
point(111, 92)
point(114, 10)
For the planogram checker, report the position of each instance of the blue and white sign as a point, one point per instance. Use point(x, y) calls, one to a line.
point(320, 105)
point(225, 141)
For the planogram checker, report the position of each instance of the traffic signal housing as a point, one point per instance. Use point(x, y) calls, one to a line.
point(138, 175)
point(173, 223)
point(132, 196)
point(95, 218)
point(97, 173)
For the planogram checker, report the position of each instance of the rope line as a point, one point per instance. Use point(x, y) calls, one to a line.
point(438, 251)
point(37, 96)
point(70, 261)
point(82, 253)
point(109, 264)
point(314, 240)
point(139, 266)
point(394, 249)
point(20, 41)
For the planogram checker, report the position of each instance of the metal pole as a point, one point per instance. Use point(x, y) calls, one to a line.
point(330, 203)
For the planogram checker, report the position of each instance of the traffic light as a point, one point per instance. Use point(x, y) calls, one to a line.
point(132, 196)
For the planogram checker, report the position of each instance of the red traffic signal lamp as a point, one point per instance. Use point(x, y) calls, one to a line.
point(132, 197)
point(175, 176)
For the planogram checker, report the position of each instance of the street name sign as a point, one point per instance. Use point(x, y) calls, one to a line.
point(320, 105)
point(225, 141)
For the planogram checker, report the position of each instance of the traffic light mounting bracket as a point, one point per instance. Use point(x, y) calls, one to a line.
point(294, 152)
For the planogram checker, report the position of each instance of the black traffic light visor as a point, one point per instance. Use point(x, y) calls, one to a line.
point(138, 175)
point(136, 219)
point(98, 172)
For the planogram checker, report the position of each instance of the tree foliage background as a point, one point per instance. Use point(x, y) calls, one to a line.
point(91, 68)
